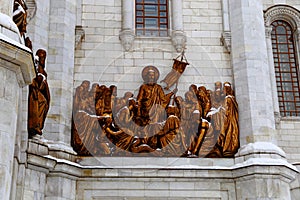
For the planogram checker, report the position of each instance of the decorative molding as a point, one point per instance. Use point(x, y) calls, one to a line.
point(127, 38)
point(79, 35)
point(127, 33)
point(282, 12)
point(179, 40)
point(226, 40)
point(297, 33)
point(226, 35)
point(17, 58)
point(31, 4)
point(268, 31)
point(277, 118)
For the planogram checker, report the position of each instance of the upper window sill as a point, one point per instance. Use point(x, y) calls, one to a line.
point(291, 118)
point(153, 38)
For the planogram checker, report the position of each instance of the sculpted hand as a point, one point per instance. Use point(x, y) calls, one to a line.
point(175, 91)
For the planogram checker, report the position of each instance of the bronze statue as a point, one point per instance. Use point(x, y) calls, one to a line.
point(20, 15)
point(204, 124)
point(151, 99)
point(39, 97)
point(88, 138)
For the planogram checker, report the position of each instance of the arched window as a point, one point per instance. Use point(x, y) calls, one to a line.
point(151, 17)
point(286, 69)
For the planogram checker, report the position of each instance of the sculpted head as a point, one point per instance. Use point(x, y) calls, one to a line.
point(150, 74)
point(41, 53)
point(227, 88)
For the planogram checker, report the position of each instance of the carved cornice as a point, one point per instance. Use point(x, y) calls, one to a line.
point(282, 12)
point(226, 40)
point(178, 40)
point(79, 35)
point(127, 39)
point(31, 9)
point(268, 31)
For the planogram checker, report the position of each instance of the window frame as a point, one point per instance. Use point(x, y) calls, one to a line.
point(291, 16)
point(287, 80)
point(175, 31)
point(158, 17)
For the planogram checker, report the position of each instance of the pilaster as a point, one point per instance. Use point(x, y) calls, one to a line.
point(251, 71)
point(60, 67)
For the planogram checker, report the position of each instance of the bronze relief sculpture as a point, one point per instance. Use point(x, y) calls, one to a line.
point(202, 124)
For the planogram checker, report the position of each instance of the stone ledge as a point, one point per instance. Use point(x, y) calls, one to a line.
point(40, 146)
point(242, 167)
point(155, 162)
point(18, 58)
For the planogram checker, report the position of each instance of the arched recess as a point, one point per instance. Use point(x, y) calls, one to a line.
point(290, 15)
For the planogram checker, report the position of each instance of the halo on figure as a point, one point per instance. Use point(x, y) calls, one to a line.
point(147, 69)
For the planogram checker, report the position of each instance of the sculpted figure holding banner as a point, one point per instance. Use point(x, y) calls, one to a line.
point(151, 99)
point(39, 97)
point(20, 15)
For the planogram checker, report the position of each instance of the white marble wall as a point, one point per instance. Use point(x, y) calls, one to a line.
point(102, 58)
point(38, 26)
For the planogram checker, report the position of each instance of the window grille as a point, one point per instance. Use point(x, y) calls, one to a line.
point(286, 69)
point(151, 18)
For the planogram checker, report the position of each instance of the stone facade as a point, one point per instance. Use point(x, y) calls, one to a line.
point(95, 40)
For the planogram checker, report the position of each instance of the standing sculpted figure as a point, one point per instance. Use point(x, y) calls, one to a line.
point(39, 97)
point(228, 140)
point(151, 99)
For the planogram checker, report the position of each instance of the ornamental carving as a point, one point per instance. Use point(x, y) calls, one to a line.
point(156, 122)
point(282, 12)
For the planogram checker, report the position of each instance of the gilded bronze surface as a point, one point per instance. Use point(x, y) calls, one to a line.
point(202, 124)
point(20, 15)
point(38, 98)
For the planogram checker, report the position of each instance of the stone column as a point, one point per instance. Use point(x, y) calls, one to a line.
point(127, 34)
point(251, 71)
point(60, 68)
point(272, 72)
point(178, 36)
point(297, 39)
point(226, 35)
point(177, 21)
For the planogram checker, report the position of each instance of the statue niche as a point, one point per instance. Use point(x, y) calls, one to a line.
point(202, 124)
